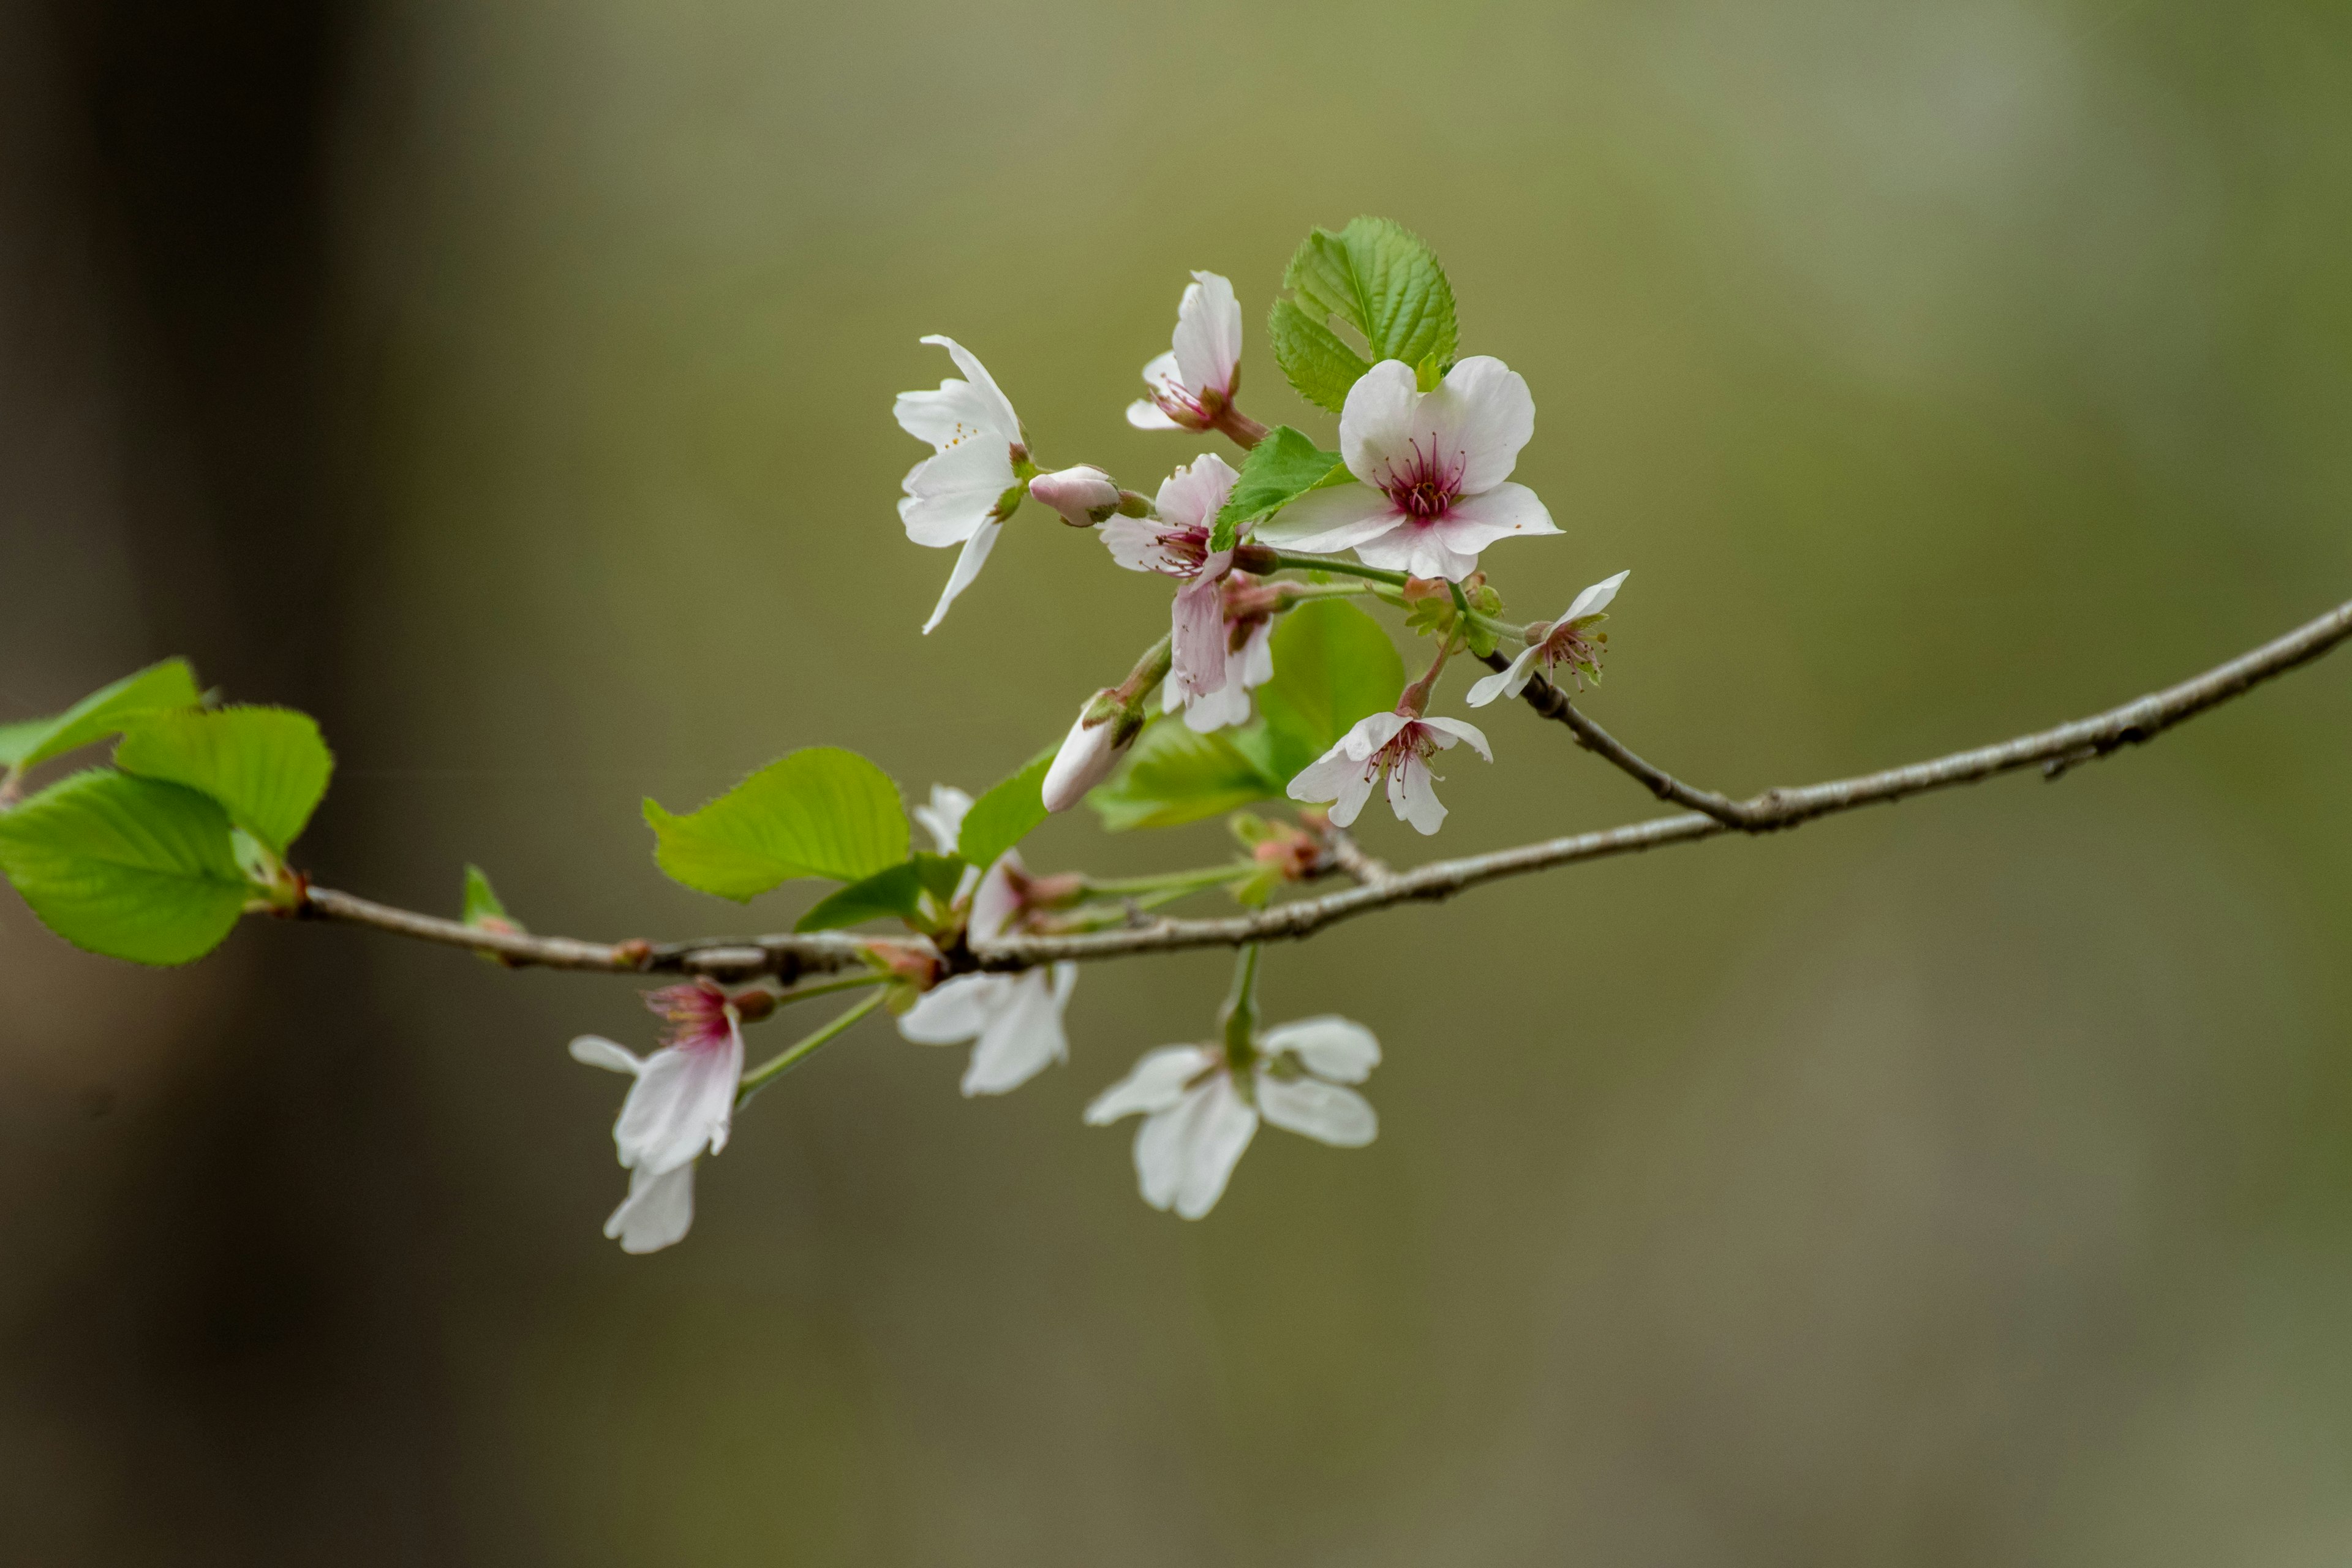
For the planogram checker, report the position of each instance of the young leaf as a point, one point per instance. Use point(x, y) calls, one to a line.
point(156, 688)
point(1176, 776)
point(132, 868)
point(1311, 355)
point(482, 905)
point(1333, 664)
point(267, 766)
point(821, 812)
point(1379, 278)
point(1003, 816)
point(1278, 470)
point(888, 893)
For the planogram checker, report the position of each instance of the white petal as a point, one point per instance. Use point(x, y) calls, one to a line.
point(1460, 729)
point(1482, 414)
point(1504, 682)
point(1324, 522)
point(967, 567)
point(1197, 634)
point(1412, 795)
point(1193, 495)
point(1353, 795)
point(954, 1010)
point(1156, 1082)
point(1377, 425)
point(1021, 1040)
point(1223, 709)
point(1331, 1047)
point(1371, 733)
point(1213, 1145)
point(596, 1051)
point(657, 1211)
point(996, 902)
point(949, 497)
point(1477, 521)
point(1208, 342)
point(1419, 548)
point(1596, 598)
point(1327, 776)
point(682, 1104)
point(1323, 1111)
point(957, 413)
point(1134, 543)
point(1146, 414)
point(1160, 374)
point(1257, 655)
point(943, 818)
point(1008, 424)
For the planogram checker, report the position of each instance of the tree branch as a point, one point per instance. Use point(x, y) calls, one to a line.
point(789, 955)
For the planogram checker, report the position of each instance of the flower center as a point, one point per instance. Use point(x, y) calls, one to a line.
point(1425, 486)
point(1410, 744)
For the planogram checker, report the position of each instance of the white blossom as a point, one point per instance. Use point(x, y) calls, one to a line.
point(1188, 385)
point(1561, 642)
point(1013, 1020)
point(962, 493)
point(1431, 469)
point(681, 1105)
point(1200, 1114)
point(1396, 744)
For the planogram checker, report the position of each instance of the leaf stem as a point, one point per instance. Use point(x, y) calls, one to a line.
point(1167, 881)
point(827, 988)
point(769, 1071)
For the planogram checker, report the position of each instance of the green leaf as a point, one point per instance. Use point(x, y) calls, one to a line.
point(158, 688)
point(1379, 278)
point(1311, 355)
point(821, 812)
point(482, 904)
point(1278, 470)
point(1005, 816)
point(1175, 776)
point(1333, 664)
point(131, 868)
point(267, 766)
point(896, 893)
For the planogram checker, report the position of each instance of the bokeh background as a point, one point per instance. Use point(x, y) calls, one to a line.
point(509, 385)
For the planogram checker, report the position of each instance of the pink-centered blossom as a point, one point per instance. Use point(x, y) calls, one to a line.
point(1398, 745)
point(1199, 1113)
point(1014, 1021)
point(1190, 384)
point(1431, 471)
point(1208, 675)
point(1566, 641)
point(681, 1105)
point(962, 493)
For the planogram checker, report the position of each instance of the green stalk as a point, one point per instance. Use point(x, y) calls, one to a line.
point(1240, 1014)
point(827, 988)
point(769, 1071)
point(1167, 881)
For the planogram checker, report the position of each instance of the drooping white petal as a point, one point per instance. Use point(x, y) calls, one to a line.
point(1505, 682)
point(1449, 731)
point(1257, 655)
point(1473, 522)
point(1378, 429)
point(1413, 794)
point(1213, 1144)
point(596, 1051)
point(1208, 341)
point(949, 497)
point(1007, 423)
point(657, 1212)
point(1197, 636)
point(943, 817)
point(1193, 495)
point(1333, 1047)
point(1024, 1036)
point(954, 1010)
point(957, 413)
point(1157, 1081)
point(996, 900)
point(1418, 548)
point(1596, 598)
point(1326, 777)
point(1323, 1111)
point(683, 1102)
point(967, 567)
point(1478, 418)
point(1223, 709)
point(1325, 521)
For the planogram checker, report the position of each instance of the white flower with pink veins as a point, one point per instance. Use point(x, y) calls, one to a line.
point(1399, 746)
point(1196, 379)
point(1431, 473)
point(1200, 1114)
point(1207, 676)
point(962, 493)
point(1013, 1020)
point(1569, 640)
point(682, 1104)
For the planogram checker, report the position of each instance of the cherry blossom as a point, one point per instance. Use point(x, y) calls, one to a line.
point(1566, 641)
point(1192, 383)
point(1208, 676)
point(682, 1104)
point(1431, 472)
point(1397, 745)
point(1014, 1020)
point(1199, 1112)
point(962, 493)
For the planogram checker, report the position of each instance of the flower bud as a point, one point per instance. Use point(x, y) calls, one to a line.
point(1088, 753)
point(1084, 495)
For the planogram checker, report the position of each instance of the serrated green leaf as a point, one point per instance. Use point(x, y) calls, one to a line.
point(1333, 665)
point(482, 903)
point(1277, 471)
point(894, 893)
point(1317, 364)
point(1004, 814)
point(156, 688)
point(1379, 278)
point(131, 868)
point(1174, 776)
point(821, 812)
point(267, 766)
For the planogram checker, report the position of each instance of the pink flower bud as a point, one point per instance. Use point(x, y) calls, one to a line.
point(1084, 495)
point(1088, 753)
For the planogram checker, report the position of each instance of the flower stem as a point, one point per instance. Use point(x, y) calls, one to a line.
point(1240, 1014)
point(1244, 431)
point(1149, 672)
point(769, 1071)
point(1168, 882)
point(825, 988)
point(1277, 560)
point(1416, 700)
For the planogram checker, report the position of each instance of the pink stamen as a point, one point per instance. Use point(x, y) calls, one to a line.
point(1427, 489)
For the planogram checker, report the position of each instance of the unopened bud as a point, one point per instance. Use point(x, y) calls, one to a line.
point(1084, 495)
point(1088, 752)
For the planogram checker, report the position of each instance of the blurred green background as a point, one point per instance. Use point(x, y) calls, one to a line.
point(510, 383)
